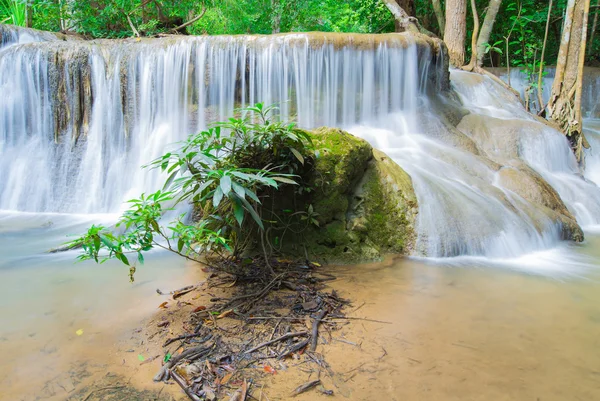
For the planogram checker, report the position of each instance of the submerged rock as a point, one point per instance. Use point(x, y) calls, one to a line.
point(365, 202)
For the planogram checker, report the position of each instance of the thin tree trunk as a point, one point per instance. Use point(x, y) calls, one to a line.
point(541, 71)
point(29, 14)
point(456, 30)
point(473, 63)
point(564, 106)
point(408, 6)
point(276, 16)
point(404, 22)
point(486, 29)
point(439, 15)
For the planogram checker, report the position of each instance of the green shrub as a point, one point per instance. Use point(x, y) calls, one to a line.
point(226, 173)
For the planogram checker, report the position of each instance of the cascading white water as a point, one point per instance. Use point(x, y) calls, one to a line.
point(149, 95)
point(81, 117)
point(520, 81)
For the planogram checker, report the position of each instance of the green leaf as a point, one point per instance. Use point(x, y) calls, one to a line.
point(298, 155)
point(170, 180)
point(285, 180)
point(167, 358)
point(226, 184)
point(122, 258)
point(239, 190)
point(253, 213)
point(141, 257)
point(252, 195)
point(217, 197)
point(180, 244)
point(238, 210)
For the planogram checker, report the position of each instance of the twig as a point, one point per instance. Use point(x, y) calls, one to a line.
point(275, 329)
point(256, 294)
point(185, 337)
point(173, 361)
point(102, 389)
point(306, 386)
point(283, 337)
point(315, 329)
point(296, 347)
point(355, 318)
point(190, 22)
point(179, 380)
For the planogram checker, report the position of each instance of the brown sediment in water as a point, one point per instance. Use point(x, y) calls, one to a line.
point(442, 334)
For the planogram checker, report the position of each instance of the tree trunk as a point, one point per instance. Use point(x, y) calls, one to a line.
point(275, 16)
point(474, 48)
point(456, 30)
point(564, 106)
point(408, 6)
point(486, 29)
point(28, 14)
point(404, 21)
point(439, 15)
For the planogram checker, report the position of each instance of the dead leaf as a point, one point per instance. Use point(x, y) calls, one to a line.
point(310, 305)
point(199, 309)
point(225, 314)
point(163, 305)
point(226, 378)
point(183, 291)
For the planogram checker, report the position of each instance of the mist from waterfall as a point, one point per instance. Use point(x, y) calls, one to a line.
point(79, 119)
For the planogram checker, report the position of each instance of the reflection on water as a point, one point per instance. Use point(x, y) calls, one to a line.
point(46, 298)
point(464, 334)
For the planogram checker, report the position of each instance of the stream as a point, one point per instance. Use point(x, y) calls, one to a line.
point(492, 304)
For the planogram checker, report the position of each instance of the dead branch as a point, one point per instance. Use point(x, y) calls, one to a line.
point(283, 337)
point(179, 380)
point(306, 386)
point(190, 22)
point(174, 360)
point(185, 337)
point(315, 329)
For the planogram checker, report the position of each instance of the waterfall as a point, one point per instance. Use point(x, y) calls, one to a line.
point(62, 152)
point(80, 117)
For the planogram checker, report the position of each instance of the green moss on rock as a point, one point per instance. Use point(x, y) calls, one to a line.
point(365, 202)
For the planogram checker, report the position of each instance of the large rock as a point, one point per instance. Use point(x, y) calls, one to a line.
point(365, 202)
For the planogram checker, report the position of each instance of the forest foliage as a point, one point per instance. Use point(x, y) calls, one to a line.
point(521, 23)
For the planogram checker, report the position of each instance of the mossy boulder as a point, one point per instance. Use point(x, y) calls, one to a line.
point(365, 203)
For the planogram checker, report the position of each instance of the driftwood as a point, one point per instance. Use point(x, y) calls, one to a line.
point(196, 351)
point(283, 337)
point(185, 337)
point(179, 380)
point(315, 329)
point(306, 386)
point(294, 348)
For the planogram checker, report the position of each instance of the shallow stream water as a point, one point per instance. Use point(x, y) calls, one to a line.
point(64, 322)
point(464, 333)
point(453, 332)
